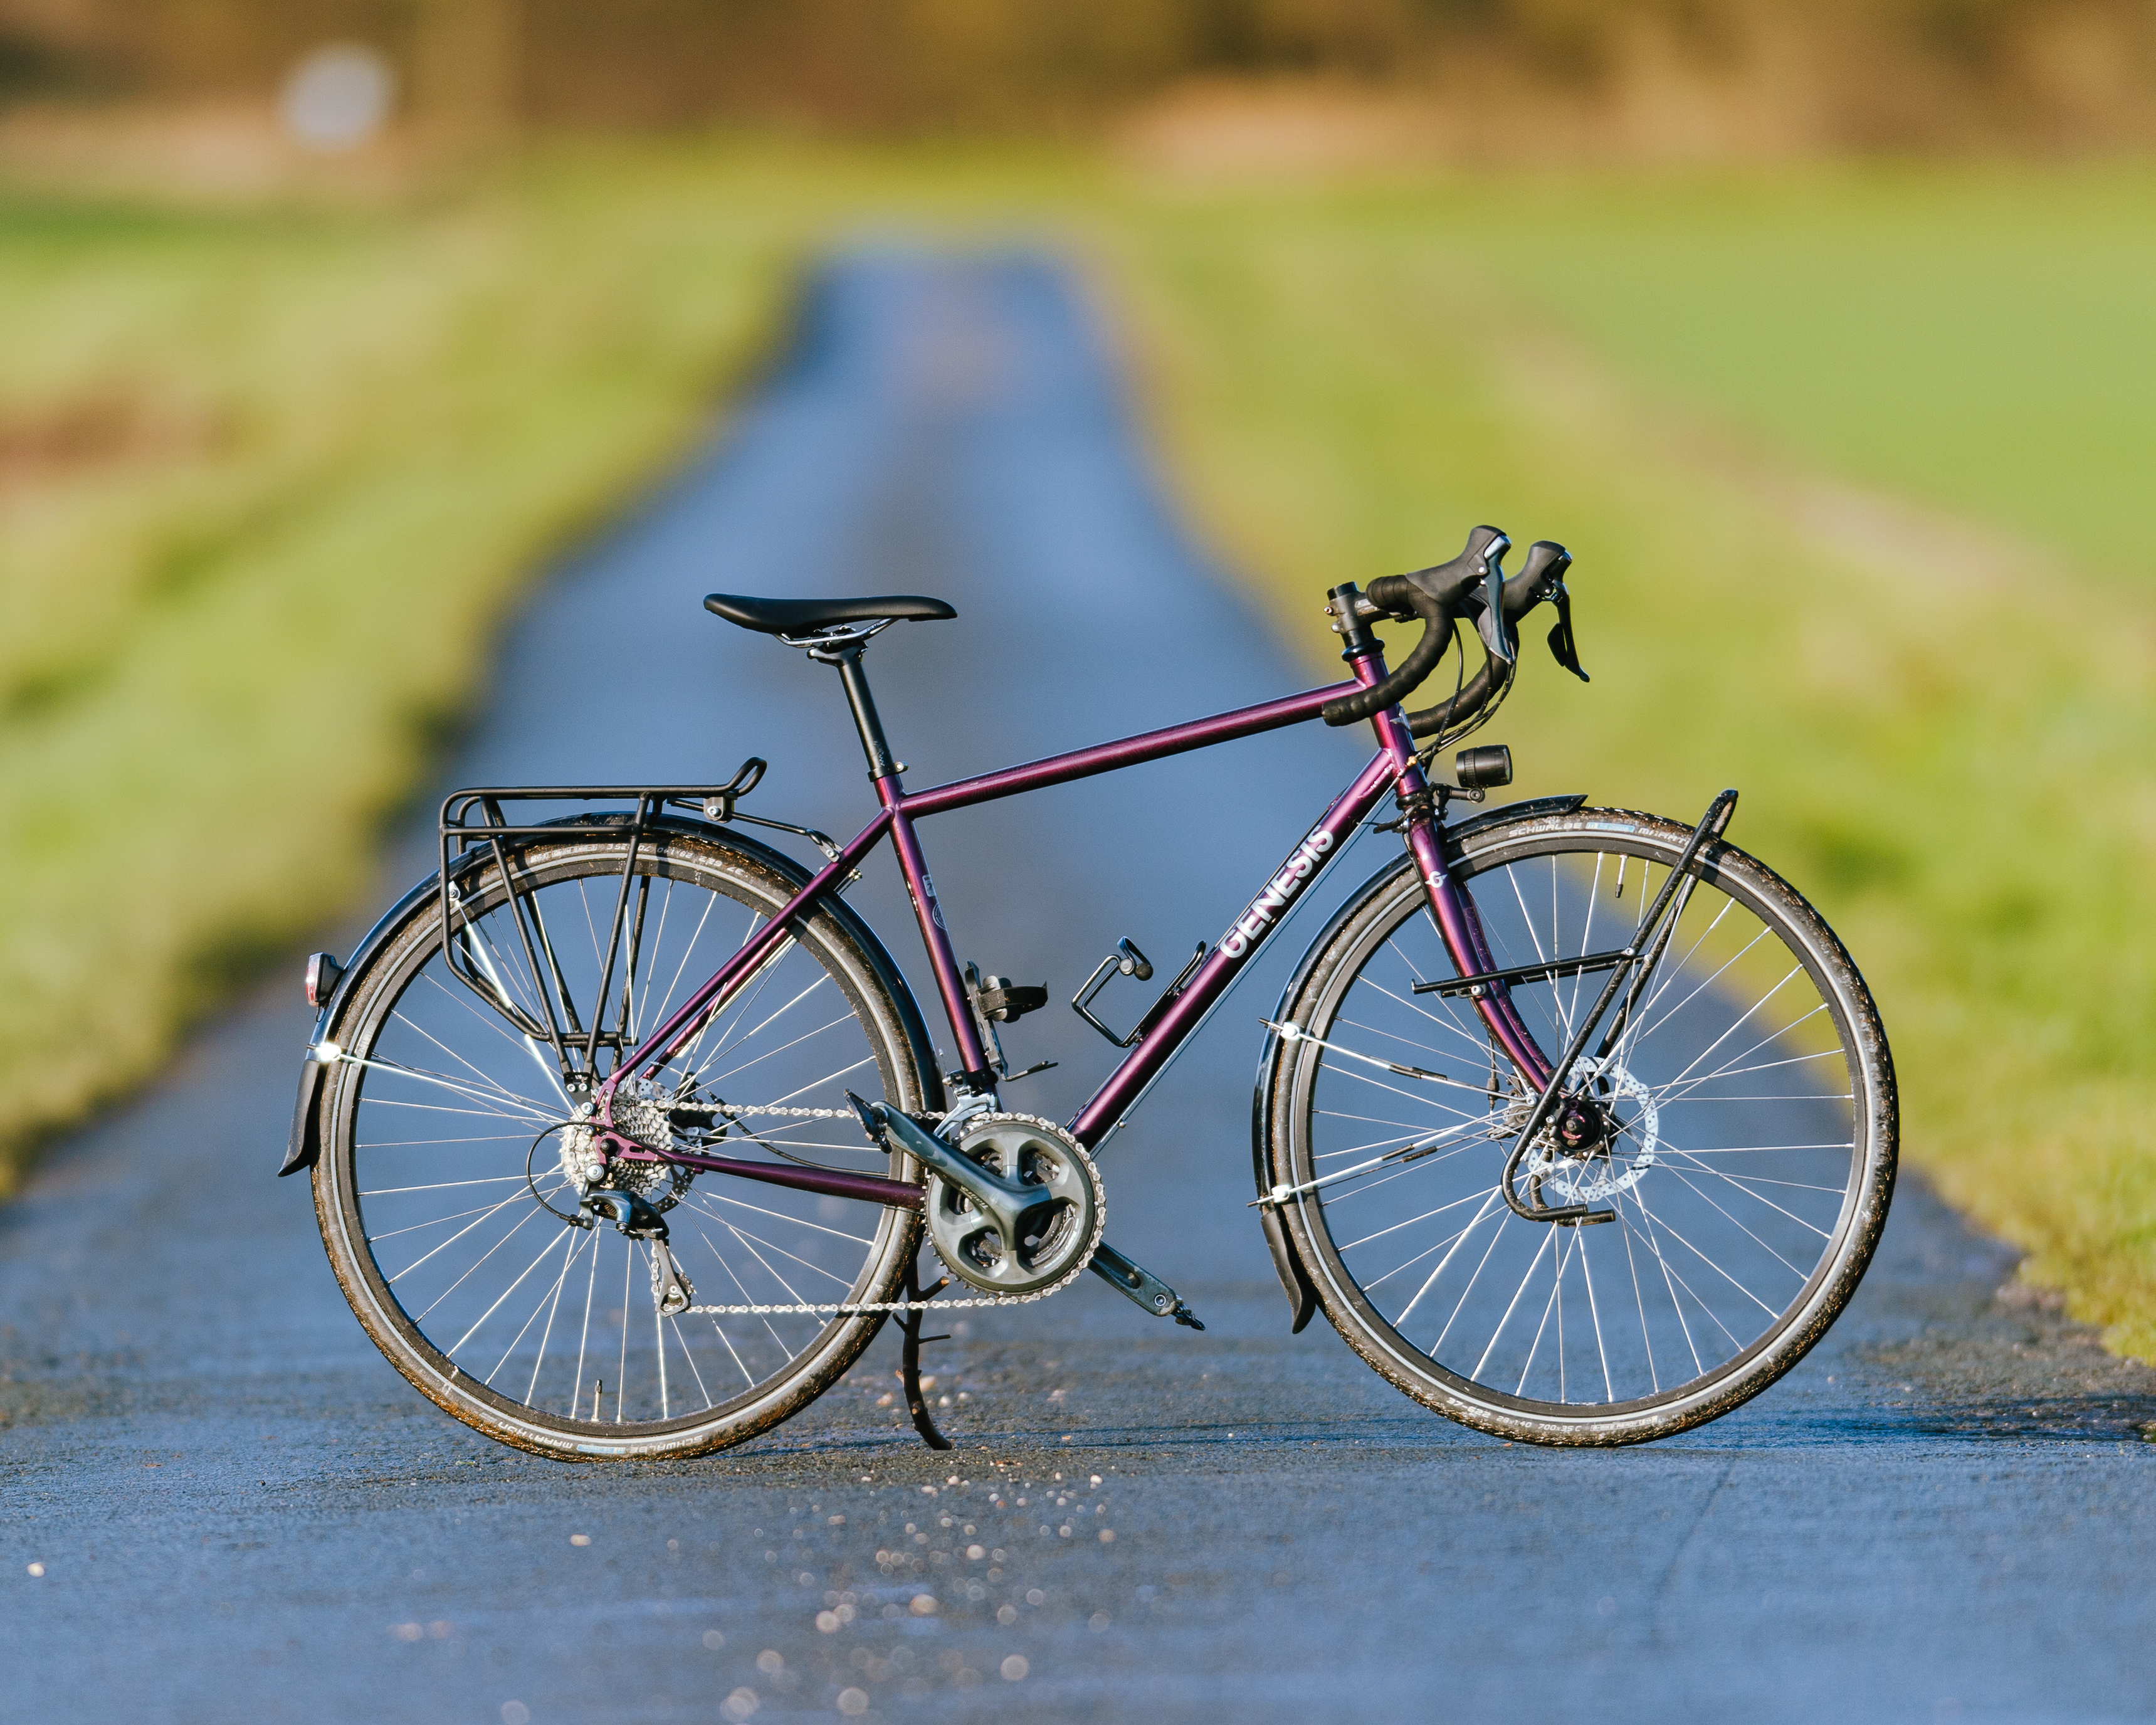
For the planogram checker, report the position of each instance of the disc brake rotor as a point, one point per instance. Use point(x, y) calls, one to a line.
point(1057, 1235)
point(1622, 1162)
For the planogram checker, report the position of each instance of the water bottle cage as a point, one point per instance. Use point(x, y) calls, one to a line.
point(1127, 961)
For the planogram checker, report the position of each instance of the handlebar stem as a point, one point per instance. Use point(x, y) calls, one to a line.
point(1352, 616)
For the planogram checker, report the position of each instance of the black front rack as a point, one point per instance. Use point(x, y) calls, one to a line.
point(475, 819)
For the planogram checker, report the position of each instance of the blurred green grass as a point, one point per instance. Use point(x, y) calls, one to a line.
point(1944, 733)
point(1977, 337)
point(270, 478)
point(228, 651)
point(266, 481)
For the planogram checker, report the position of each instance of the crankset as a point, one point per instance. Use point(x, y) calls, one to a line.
point(1016, 1208)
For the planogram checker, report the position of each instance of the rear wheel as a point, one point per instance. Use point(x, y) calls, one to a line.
point(451, 1183)
point(1749, 1156)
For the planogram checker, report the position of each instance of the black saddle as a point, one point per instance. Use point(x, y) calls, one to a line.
point(796, 617)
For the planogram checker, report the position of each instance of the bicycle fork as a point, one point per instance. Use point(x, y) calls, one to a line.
point(1629, 968)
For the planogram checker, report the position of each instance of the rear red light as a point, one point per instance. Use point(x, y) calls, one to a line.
point(322, 975)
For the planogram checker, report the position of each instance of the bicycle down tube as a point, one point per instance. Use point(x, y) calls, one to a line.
point(1394, 765)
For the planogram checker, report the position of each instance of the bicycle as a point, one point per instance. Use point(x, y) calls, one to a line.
point(1566, 1166)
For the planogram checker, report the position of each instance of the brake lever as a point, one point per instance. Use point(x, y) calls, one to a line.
point(1542, 576)
point(1492, 624)
point(1561, 645)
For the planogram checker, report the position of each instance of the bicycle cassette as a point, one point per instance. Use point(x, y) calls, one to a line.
point(1037, 1245)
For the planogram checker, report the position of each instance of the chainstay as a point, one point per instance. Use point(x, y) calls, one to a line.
point(731, 1110)
point(863, 1307)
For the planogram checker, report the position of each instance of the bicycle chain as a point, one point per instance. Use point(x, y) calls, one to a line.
point(868, 1305)
point(733, 1111)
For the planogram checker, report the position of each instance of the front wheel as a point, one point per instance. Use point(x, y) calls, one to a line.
point(1748, 1157)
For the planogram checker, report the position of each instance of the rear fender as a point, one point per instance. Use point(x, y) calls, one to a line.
point(304, 1147)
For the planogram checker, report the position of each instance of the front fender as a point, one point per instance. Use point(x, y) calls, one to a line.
point(1295, 1278)
point(1533, 809)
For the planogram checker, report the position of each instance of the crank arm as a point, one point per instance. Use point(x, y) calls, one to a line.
point(1140, 1285)
point(1006, 1204)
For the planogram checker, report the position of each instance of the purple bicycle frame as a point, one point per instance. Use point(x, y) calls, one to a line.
point(1394, 765)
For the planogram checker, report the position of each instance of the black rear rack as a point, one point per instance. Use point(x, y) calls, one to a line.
point(473, 818)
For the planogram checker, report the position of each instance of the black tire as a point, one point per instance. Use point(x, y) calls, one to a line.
point(453, 1249)
point(1750, 1170)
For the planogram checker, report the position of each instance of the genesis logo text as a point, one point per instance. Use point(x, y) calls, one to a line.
point(1266, 907)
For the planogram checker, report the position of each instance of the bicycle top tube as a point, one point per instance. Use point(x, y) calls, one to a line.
point(1393, 765)
point(1056, 769)
point(1126, 751)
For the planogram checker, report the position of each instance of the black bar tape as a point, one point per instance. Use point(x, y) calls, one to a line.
point(1473, 696)
point(1394, 593)
point(1546, 564)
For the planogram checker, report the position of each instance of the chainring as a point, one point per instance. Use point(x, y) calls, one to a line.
point(1040, 1153)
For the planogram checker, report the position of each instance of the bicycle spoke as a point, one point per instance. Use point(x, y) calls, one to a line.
point(748, 992)
point(1559, 1255)
point(524, 1329)
point(485, 948)
point(689, 1354)
point(445, 1120)
point(1490, 1207)
point(487, 1083)
point(787, 1047)
point(1723, 1211)
point(525, 1108)
point(444, 1185)
point(721, 1197)
point(554, 1306)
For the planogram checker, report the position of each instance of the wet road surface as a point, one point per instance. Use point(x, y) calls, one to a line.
point(221, 1504)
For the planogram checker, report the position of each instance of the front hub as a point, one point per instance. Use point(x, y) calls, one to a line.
point(1582, 1125)
point(1603, 1141)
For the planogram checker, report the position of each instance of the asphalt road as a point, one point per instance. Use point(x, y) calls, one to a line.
point(221, 1504)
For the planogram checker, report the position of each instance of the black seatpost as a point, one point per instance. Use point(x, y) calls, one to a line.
point(848, 660)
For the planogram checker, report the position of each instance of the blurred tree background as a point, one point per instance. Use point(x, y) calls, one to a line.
point(1820, 330)
point(1684, 75)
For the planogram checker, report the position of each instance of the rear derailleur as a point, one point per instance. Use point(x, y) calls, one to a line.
point(634, 1215)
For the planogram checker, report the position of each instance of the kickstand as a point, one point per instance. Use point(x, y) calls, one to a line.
point(909, 1354)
